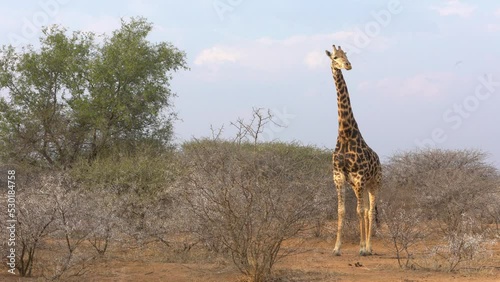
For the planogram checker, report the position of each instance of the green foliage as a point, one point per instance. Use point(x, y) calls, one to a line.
point(34, 122)
point(75, 98)
point(301, 156)
point(144, 173)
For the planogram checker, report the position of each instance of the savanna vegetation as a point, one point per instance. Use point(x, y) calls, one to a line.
point(87, 124)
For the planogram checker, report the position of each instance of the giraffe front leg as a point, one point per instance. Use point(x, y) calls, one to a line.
point(339, 183)
point(362, 213)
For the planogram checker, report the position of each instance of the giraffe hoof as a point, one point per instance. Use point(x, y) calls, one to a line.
point(336, 253)
point(363, 253)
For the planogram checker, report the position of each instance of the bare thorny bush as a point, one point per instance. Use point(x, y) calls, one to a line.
point(248, 197)
point(133, 194)
point(404, 230)
point(493, 212)
point(36, 219)
point(67, 220)
point(448, 192)
point(53, 221)
point(463, 247)
point(63, 226)
point(74, 224)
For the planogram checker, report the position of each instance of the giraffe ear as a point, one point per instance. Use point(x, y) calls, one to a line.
point(328, 53)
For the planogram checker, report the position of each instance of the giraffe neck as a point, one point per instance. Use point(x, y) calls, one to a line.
point(348, 128)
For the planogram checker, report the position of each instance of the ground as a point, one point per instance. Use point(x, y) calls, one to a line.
point(313, 262)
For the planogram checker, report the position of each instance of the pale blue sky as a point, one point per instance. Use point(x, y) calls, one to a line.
point(415, 77)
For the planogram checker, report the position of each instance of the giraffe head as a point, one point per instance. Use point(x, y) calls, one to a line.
point(339, 58)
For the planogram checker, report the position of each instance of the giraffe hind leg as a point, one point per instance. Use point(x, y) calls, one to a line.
point(362, 213)
point(362, 216)
point(372, 197)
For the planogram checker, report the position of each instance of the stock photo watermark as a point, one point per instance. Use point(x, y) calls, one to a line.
point(223, 7)
point(263, 125)
point(11, 221)
point(31, 26)
point(455, 115)
point(380, 19)
point(282, 120)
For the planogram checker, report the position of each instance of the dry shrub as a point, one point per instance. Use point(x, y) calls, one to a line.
point(449, 192)
point(404, 230)
point(52, 217)
point(467, 248)
point(248, 197)
point(132, 194)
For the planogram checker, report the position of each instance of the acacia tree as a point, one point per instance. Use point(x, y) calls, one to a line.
point(75, 97)
point(35, 122)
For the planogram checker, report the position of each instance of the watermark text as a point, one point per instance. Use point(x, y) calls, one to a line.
point(31, 26)
point(11, 221)
point(455, 115)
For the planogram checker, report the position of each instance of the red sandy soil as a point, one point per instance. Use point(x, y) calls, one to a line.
point(313, 262)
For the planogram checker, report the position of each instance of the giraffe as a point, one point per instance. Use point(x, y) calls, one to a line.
point(354, 162)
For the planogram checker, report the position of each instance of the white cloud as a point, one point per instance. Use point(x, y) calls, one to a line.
point(455, 7)
point(280, 56)
point(493, 27)
point(217, 55)
point(315, 59)
point(428, 85)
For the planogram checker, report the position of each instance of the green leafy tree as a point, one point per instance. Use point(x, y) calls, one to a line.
point(35, 122)
point(74, 97)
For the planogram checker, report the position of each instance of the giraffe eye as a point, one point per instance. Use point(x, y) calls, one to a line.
point(335, 57)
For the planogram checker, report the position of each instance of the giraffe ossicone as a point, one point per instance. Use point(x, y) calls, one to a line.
point(354, 162)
